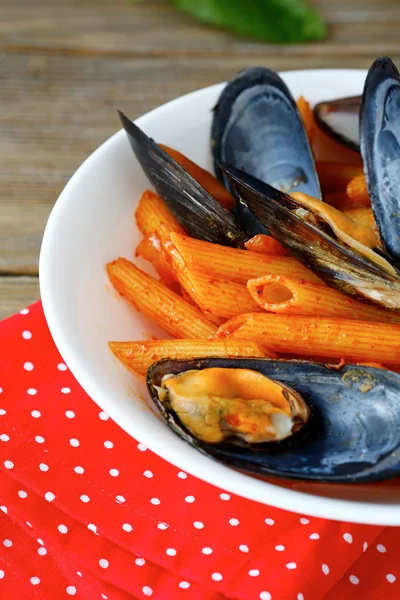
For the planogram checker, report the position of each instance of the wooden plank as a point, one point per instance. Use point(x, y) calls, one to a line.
point(156, 26)
point(16, 293)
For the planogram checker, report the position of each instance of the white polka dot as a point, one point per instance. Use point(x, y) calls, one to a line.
point(140, 562)
point(147, 591)
point(43, 467)
point(184, 585)
point(254, 572)
point(142, 447)
point(92, 527)
point(182, 475)
point(391, 578)
point(69, 414)
point(4, 509)
point(62, 528)
point(265, 596)
point(148, 474)
point(4, 437)
point(314, 536)
point(3, 412)
point(216, 576)
point(24, 311)
point(325, 569)
point(39, 541)
point(39, 439)
point(127, 527)
point(108, 444)
point(365, 546)
point(49, 496)
point(74, 442)
point(291, 565)
point(225, 496)
point(28, 366)
point(190, 499)
point(36, 414)
point(234, 522)
point(79, 573)
point(206, 550)
point(280, 548)
point(348, 538)
point(300, 596)
point(2, 574)
point(71, 590)
point(65, 390)
point(103, 562)
point(155, 501)
point(29, 524)
point(104, 597)
point(114, 472)
point(35, 580)
point(198, 525)
point(304, 521)
point(103, 416)
point(31, 391)
point(269, 522)
point(8, 464)
point(7, 543)
point(354, 580)
point(79, 470)
point(163, 526)
point(27, 335)
point(22, 494)
point(42, 551)
point(121, 499)
point(62, 367)
point(85, 498)
point(243, 548)
point(381, 548)
point(170, 551)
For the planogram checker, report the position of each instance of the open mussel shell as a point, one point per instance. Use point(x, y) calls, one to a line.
point(352, 435)
point(257, 128)
point(195, 209)
point(380, 149)
point(338, 265)
point(340, 119)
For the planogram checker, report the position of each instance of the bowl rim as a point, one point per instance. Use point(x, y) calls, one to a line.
point(356, 511)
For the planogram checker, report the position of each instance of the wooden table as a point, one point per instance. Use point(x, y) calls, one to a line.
point(66, 65)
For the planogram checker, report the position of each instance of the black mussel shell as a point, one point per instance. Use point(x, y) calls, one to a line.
point(338, 265)
point(353, 434)
point(195, 209)
point(340, 119)
point(380, 149)
point(257, 128)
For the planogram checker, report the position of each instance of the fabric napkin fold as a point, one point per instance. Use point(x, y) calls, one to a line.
point(89, 512)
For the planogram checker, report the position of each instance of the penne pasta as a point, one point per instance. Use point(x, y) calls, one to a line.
point(203, 177)
point(213, 318)
point(354, 341)
point(335, 176)
point(139, 356)
point(357, 190)
point(158, 302)
point(150, 249)
point(266, 244)
point(307, 116)
point(286, 296)
point(151, 212)
point(236, 265)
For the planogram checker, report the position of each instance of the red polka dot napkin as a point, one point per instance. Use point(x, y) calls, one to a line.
point(87, 511)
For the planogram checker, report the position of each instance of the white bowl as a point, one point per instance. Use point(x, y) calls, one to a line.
point(92, 223)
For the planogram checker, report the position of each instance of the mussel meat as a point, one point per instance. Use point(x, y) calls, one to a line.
point(291, 419)
point(340, 119)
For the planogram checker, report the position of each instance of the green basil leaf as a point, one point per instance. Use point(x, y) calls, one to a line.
point(279, 21)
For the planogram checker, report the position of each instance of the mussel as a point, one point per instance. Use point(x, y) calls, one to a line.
point(316, 423)
point(340, 119)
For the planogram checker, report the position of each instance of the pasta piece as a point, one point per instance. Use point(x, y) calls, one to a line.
point(266, 244)
point(357, 190)
point(150, 249)
point(286, 296)
point(237, 265)
point(213, 318)
point(335, 176)
point(158, 302)
point(357, 341)
point(151, 212)
point(139, 356)
point(307, 116)
point(203, 177)
point(328, 149)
